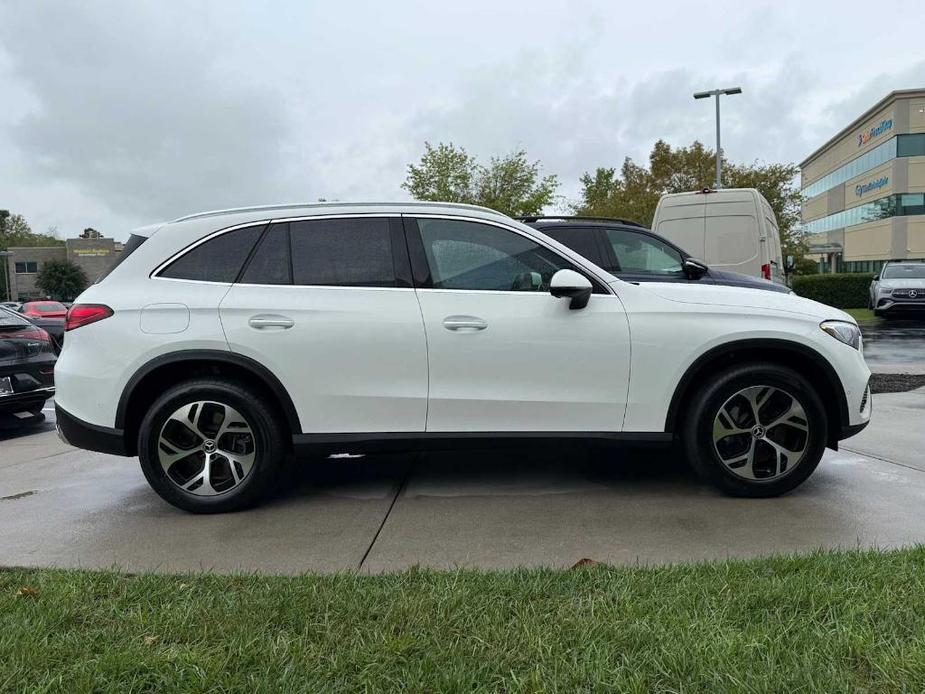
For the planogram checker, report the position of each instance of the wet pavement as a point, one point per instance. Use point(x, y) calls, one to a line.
point(895, 345)
point(60, 506)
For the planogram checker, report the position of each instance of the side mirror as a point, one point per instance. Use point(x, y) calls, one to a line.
point(791, 263)
point(694, 269)
point(876, 278)
point(570, 284)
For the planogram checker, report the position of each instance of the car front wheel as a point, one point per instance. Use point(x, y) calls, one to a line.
point(212, 445)
point(757, 430)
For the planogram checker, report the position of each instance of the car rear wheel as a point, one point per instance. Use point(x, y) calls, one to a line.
point(212, 445)
point(757, 430)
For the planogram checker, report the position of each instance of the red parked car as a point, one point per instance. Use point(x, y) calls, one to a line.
point(43, 309)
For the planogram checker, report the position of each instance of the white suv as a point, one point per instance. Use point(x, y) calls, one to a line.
point(224, 342)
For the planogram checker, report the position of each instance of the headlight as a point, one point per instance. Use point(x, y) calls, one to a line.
point(849, 333)
point(886, 291)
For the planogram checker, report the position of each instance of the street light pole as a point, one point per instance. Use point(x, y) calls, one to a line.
point(719, 150)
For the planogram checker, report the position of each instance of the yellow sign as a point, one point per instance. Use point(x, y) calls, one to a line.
point(91, 252)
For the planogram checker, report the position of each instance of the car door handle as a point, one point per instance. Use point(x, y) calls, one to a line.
point(270, 322)
point(464, 323)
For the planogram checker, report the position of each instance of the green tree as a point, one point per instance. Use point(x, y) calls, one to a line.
point(511, 184)
point(635, 192)
point(15, 231)
point(62, 280)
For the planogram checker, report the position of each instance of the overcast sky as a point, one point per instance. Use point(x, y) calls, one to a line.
point(116, 114)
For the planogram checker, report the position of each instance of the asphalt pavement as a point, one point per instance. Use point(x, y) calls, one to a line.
point(60, 506)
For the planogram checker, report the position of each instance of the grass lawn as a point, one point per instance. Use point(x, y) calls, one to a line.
point(860, 314)
point(851, 621)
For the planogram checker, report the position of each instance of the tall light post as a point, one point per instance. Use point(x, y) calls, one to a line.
point(719, 150)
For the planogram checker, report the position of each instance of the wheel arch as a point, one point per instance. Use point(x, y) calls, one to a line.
point(806, 361)
point(147, 383)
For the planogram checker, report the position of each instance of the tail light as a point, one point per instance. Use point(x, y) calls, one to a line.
point(766, 271)
point(83, 314)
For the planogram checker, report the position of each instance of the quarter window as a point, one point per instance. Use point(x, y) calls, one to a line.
point(641, 253)
point(467, 255)
point(343, 252)
point(217, 260)
point(581, 240)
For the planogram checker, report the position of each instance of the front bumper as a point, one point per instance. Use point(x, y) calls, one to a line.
point(888, 304)
point(88, 436)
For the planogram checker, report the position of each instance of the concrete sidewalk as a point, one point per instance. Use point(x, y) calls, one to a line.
point(64, 507)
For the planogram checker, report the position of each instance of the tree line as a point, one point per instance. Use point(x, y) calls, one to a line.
point(515, 185)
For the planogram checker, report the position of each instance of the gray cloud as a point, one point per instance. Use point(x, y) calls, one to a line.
point(134, 107)
point(119, 114)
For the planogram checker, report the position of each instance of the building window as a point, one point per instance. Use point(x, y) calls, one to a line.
point(880, 154)
point(898, 146)
point(910, 145)
point(890, 206)
point(29, 267)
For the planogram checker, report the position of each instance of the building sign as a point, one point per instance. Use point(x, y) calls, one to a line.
point(875, 131)
point(876, 184)
point(90, 252)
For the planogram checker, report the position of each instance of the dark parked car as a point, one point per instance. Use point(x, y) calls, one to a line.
point(635, 254)
point(27, 364)
point(50, 317)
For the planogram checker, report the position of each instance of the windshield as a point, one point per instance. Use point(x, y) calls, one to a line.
point(905, 272)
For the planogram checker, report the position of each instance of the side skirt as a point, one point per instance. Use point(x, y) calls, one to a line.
point(384, 442)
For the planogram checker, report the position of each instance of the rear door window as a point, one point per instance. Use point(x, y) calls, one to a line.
point(354, 252)
point(219, 259)
point(271, 262)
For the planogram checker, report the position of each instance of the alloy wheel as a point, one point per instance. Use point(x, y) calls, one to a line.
point(206, 448)
point(761, 433)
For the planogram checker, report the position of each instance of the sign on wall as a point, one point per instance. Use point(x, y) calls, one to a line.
point(875, 131)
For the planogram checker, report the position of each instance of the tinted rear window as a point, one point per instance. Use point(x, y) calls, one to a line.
point(270, 263)
point(342, 252)
point(9, 319)
point(582, 241)
point(45, 307)
point(129, 247)
point(219, 259)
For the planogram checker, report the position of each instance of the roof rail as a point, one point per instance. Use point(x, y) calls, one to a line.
point(588, 218)
point(289, 206)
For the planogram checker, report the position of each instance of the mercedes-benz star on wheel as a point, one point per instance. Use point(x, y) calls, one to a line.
point(224, 342)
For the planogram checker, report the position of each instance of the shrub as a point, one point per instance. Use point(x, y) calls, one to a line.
point(845, 290)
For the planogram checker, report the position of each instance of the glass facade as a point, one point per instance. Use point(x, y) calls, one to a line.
point(898, 146)
point(890, 206)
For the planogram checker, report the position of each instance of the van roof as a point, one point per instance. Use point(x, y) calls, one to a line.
point(731, 194)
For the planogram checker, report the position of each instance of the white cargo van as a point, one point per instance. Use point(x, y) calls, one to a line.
point(730, 229)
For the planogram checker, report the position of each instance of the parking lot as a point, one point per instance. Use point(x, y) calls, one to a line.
point(60, 506)
point(895, 345)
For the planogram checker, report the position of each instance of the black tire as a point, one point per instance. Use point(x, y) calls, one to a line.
point(269, 443)
point(704, 406)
